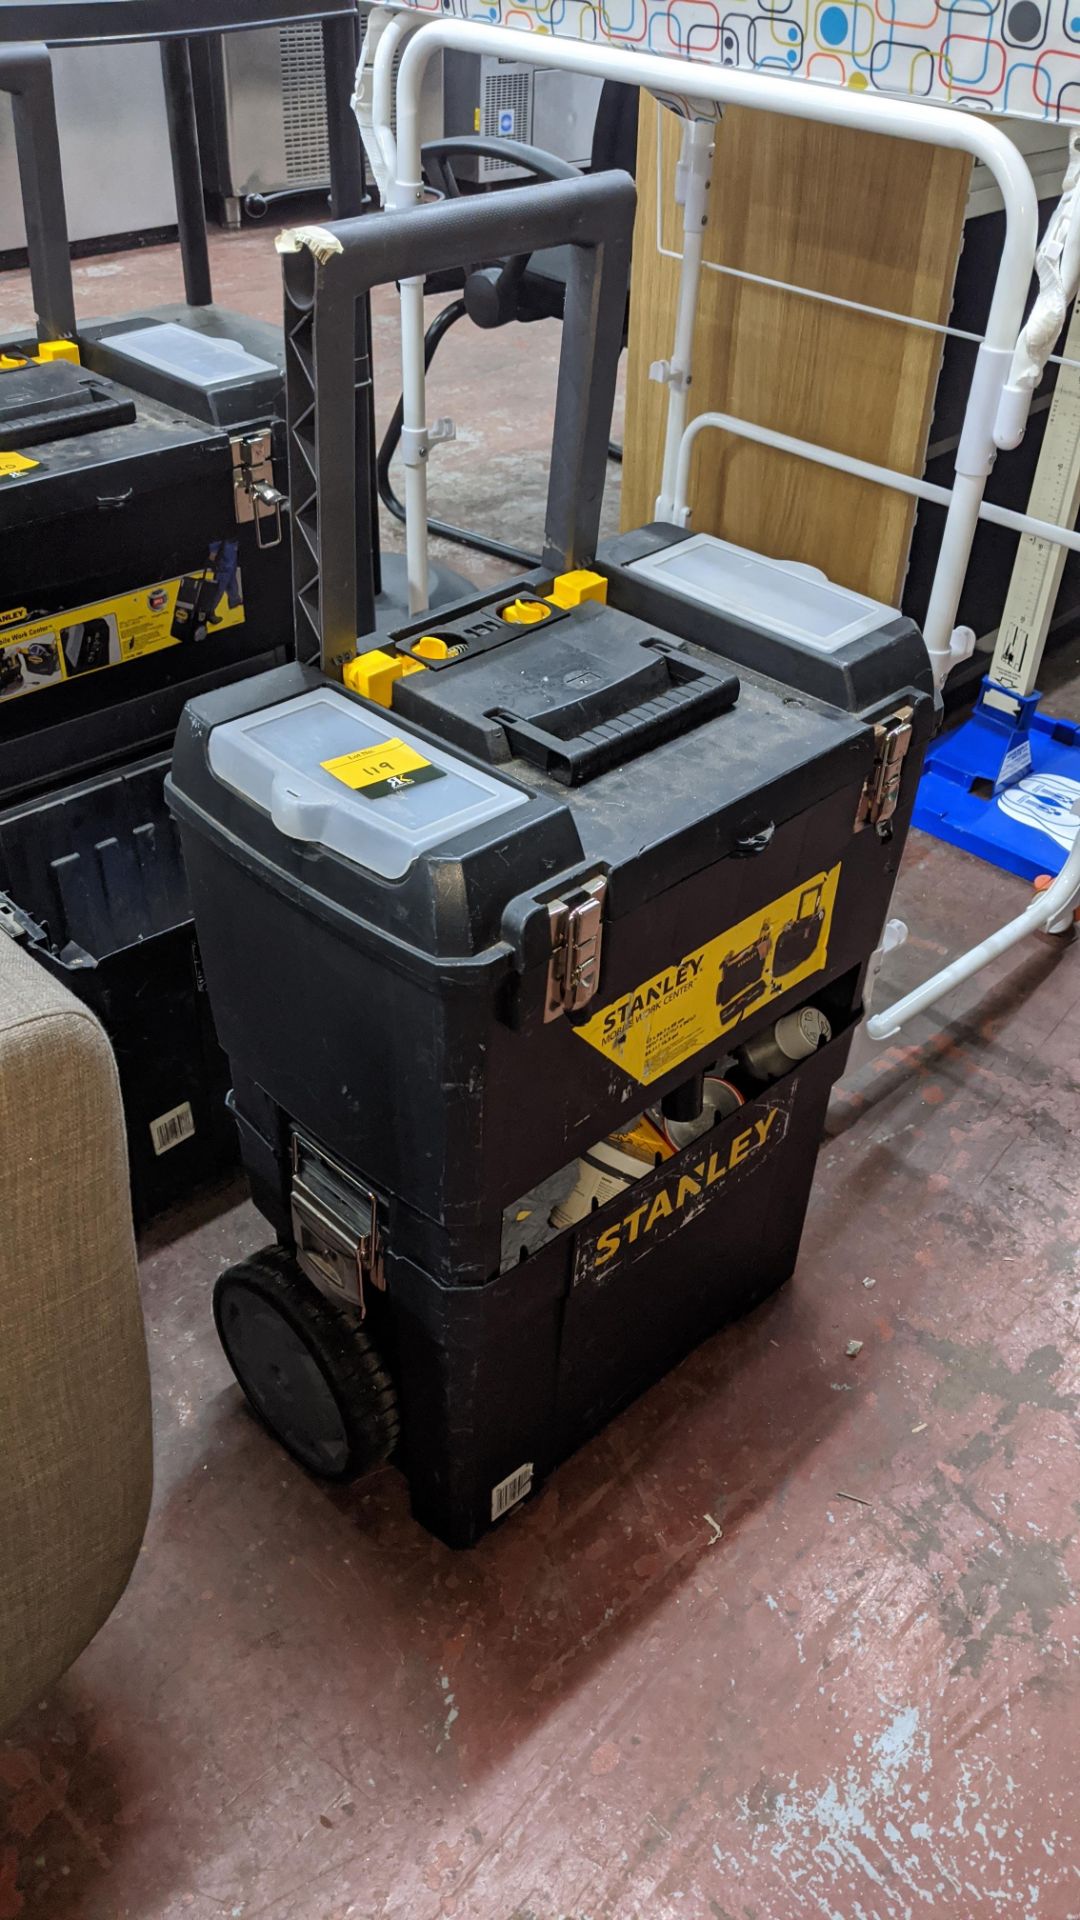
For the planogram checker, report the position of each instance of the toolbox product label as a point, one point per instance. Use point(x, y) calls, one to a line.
point(50, 648)
point(704, 994)
point(389, 767)
point(12, 463)
point(669, 1198)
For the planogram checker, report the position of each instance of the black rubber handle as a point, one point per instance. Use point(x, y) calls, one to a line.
point(694, 691)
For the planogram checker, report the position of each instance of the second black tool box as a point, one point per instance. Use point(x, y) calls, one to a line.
point(142, 557)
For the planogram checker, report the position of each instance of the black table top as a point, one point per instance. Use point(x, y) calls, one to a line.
point(82, 22)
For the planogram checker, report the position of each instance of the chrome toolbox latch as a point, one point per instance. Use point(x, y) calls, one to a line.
point(881, 793)
point(255, 496)
point(577, 933)
point(335, 1226)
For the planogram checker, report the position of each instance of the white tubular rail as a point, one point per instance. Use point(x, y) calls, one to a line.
point(956, 643)
point(862, 470)
point(995, 412)
point(692, 182)
point(373, 96)
point(1049, 912)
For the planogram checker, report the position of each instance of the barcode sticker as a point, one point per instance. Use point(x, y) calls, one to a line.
point(511, 1490)
point(170, 1128)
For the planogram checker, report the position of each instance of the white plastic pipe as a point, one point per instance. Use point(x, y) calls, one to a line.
point(414, 441)
point(769, 93)
point(862, 470)
point(373, 97)
point(693, 178)
point(1049, 912)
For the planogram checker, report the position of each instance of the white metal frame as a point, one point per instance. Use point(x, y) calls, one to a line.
point(996, 410)
point(848, 463)
point(998, 400)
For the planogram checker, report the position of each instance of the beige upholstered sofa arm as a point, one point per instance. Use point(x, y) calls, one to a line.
point(75, 1449)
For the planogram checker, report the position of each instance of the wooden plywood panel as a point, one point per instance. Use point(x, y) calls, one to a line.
point(851, 214)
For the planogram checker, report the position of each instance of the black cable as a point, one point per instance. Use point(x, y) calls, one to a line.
point(614, 451)
point(480, 542)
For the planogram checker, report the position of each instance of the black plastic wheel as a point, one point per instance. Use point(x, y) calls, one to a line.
point(311, 1374)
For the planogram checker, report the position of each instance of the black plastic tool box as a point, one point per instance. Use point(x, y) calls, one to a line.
point(95, 889)
point(137, 478)
point(139, 564)
point(472, 897)
point(143, 556)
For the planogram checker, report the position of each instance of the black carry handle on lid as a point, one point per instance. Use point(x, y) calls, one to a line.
point(602, 729)
point(594, 215)
point(26, 73)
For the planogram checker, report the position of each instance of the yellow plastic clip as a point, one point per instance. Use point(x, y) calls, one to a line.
point(50, 350)
point(570, 589)
point(524, 613)
point(374, 674)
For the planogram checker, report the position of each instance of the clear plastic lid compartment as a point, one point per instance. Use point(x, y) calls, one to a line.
point(204, 359)
point(276, 760)
point(781, 596)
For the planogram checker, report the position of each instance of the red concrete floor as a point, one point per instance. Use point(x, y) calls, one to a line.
point(794, 1639)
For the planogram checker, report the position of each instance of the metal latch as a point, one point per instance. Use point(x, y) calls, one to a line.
point(879, 797)
point(255, 496)
point(335, 1226)
point(577, 932)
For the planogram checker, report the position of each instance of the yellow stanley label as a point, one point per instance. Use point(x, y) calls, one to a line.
point(669, 1200)
point(707, 992)
point(52, 648)
point(679, 1191)
point(389, 767)
point(11, 463)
